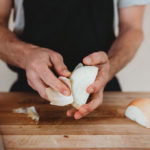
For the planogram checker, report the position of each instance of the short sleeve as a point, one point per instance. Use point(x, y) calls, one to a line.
point(127, 3)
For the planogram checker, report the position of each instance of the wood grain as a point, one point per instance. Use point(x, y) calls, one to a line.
point(106, 128)
point(80, 141)
point(1, 143)
point(81, 149)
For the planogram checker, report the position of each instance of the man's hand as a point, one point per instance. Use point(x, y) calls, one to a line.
point(36, 61)
point(39, 65)
point(96, 89)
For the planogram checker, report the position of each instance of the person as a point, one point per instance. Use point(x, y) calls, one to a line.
point(52, 36)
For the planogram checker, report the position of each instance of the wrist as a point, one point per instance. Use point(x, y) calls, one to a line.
point(23, 51)
point(112, 70)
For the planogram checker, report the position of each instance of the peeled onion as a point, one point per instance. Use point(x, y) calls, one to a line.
point(57, 98)
point(80, 79)
point(139, 111)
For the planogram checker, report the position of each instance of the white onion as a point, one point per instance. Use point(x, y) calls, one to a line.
point(80, 79)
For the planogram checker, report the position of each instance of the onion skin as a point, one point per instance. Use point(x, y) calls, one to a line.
point(143, 105)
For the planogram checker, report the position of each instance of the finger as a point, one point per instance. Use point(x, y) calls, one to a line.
point(51, 80)
point(81, 113)
point(96, 58)
point(101, 79)
point(95, 102)
point(78, 115)
point(87, 108)
point(71, 112)
point(59, 65)
point(37, 85)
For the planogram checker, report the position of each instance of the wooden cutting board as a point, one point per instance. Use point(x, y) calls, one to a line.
point(106, 128)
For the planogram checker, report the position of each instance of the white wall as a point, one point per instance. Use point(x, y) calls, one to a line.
point(134, 77)
point(7, 77)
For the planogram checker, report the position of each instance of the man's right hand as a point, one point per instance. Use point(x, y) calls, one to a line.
point(38, 62)
point(39, 65)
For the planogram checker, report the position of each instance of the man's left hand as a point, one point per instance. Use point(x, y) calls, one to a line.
point(100, 60)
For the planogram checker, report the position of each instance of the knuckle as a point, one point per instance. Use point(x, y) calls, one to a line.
point(104, 55)
point(95, 57)
point(39, 68)
point(45, 49)
point(57, 86)
point(62, 68)
point(47, 82)
point(98, 85)
point(97, 88)
point(31, 84)
point(90, 109)
point(29, 75)
point(57, 55)
point(97, 82)
point(34, 66)
point(57, 59)
point(92, 57)
point(53, 54)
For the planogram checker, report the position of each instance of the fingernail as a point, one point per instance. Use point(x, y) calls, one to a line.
point(77, 117)
point(66, 93)
point(87, 60)
point(66, 72)
point(91, 90)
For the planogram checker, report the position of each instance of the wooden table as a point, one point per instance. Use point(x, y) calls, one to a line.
point(106, 128)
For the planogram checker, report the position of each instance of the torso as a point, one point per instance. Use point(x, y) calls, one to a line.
point(74, 28)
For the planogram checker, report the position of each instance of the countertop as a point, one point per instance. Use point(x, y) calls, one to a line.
point(105, 128)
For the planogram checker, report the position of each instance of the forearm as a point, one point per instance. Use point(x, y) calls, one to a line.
point(124, 49)
point(12, 50)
